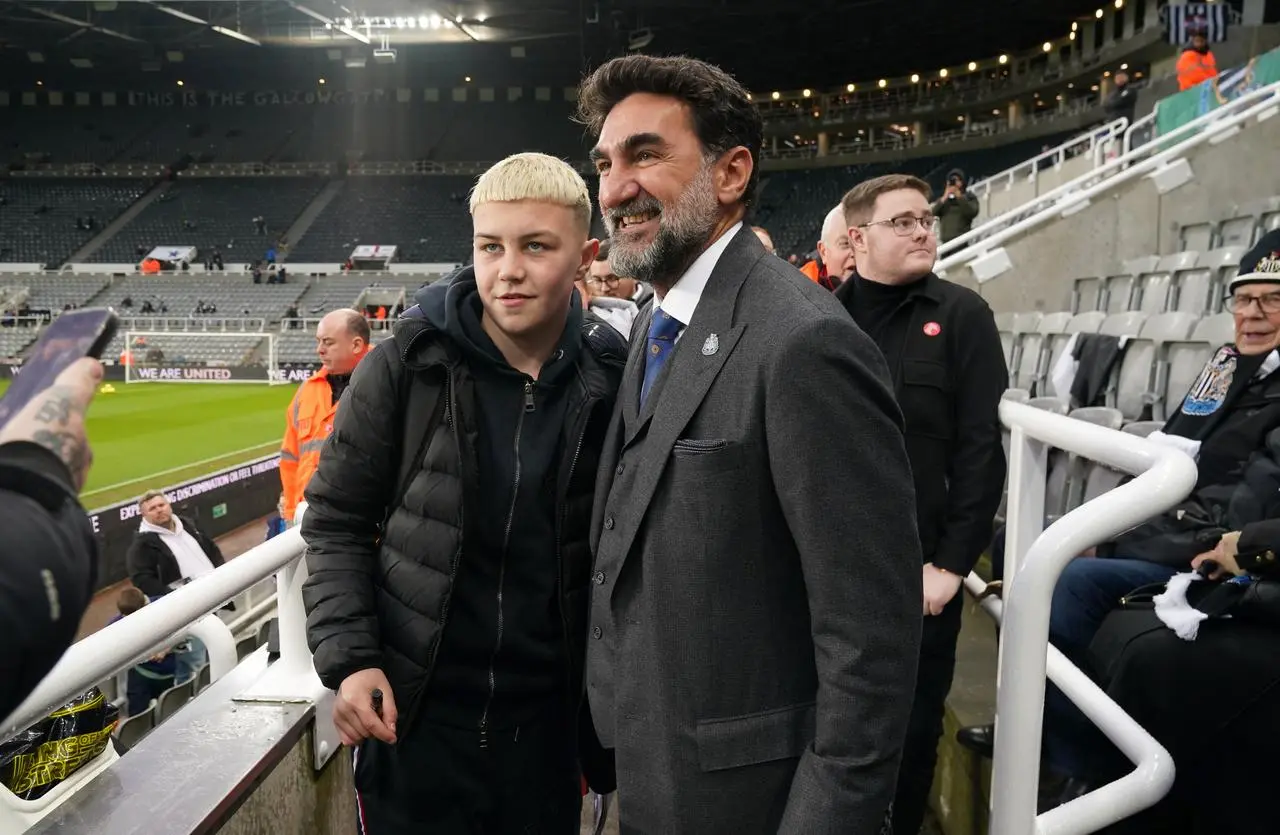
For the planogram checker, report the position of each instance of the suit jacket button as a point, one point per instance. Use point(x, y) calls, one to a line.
point(608, 523)
point(596, 632)
point(599, 578)
point(619, 469)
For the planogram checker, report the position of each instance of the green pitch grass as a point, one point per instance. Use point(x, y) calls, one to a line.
point(158, 434)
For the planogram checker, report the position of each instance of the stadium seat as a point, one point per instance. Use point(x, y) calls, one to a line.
point(1135, 379)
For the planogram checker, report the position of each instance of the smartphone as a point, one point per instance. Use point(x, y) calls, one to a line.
point(73, 335)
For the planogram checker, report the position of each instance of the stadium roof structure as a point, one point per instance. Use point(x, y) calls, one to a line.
point(767, 43)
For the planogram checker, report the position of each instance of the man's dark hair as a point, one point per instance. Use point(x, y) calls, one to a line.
point(723, 115)
point(603, 253)
point(130, 600)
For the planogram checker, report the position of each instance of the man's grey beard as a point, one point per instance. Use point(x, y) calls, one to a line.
point(683, 231)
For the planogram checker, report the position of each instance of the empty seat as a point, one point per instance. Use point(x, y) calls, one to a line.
point(1135, 388)
point(1196, 236)
point(1086, 294)
point(1123, 324)
point(130, 731)
point(174, 698)
point(1142, 428)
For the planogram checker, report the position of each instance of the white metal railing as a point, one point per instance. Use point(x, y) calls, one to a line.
point(185, 611)
point(1034, 559)
point(1138, 162)
point(1090, 141)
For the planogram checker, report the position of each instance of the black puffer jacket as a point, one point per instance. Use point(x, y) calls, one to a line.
point(378, 594)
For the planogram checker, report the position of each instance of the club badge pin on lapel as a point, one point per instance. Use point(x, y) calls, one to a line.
point(711, 345)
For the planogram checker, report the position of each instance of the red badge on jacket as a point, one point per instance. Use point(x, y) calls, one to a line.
point(932, 329)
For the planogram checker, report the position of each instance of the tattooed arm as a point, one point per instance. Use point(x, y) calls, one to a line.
point(48, 554)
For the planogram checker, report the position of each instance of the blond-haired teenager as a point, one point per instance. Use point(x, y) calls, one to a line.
point(447, 528)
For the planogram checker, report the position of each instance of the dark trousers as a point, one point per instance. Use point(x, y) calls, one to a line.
point(924, 728)
point(142, 689)
point(1089, 589)
point(438, 780)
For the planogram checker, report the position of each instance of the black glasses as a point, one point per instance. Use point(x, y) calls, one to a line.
point(606, 281)
point(1240, 302)
point(906, 225)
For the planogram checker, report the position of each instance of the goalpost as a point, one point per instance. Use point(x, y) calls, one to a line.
point(200, 357)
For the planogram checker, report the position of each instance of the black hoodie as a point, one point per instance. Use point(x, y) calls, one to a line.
point(502, 656)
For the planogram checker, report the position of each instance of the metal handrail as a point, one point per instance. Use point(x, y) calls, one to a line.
point(1056, 153)
point(989, 235)
point(1034, 561)
point(157, 625)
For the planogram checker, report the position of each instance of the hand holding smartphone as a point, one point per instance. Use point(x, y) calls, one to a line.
point(46, 404)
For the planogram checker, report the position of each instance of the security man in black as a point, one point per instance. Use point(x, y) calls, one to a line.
point(944, 354)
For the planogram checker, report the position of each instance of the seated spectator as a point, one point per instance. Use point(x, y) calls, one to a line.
point(1227, 421)
point(1211, 701)
point(153, 676)
point(276, 523)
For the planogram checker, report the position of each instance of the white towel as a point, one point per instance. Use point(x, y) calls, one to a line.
point(1063, 374)
point(1190, 447)
point(1173, 609)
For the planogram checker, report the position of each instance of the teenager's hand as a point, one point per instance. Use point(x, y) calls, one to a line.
point(353, 712)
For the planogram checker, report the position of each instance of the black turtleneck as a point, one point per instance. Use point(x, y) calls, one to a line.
point(338, 384)
point(872, 305)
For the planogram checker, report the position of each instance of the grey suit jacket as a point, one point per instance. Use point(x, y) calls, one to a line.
point(755, 616)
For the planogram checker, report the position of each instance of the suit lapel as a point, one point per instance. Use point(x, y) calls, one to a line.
point(633, 376)
point(704, 347)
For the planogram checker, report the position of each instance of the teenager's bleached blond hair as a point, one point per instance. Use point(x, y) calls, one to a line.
point(538, 177)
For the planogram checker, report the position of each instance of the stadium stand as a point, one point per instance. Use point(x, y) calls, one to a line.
point(231, 294)
point(440, 131)
point(1168, 307)
point(55, 292)
point(14, 340)
point(232, 134)
point(426, 216)
point(183, 348)
point(214, 213)
point(38, 218)
point(66, 135)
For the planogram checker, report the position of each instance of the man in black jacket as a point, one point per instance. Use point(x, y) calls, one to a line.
point(168, 549)
point(447, 528)
point(48, 564)
point(944, 354)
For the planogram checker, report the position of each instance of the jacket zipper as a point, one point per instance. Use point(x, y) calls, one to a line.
point(502, 565)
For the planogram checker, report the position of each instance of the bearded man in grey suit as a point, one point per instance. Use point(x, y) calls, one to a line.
point(755, 612)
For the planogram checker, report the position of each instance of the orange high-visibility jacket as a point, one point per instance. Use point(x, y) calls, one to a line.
point(308, 422)
point(1194, 68)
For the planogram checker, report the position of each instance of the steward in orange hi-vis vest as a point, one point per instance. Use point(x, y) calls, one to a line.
point(342, 340)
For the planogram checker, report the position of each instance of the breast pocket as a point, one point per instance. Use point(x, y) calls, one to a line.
point(704, 458)
point(926, 399)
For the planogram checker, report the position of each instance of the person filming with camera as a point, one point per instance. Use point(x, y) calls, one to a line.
point(956, 208)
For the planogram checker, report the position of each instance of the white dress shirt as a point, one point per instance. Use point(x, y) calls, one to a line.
point(191, 559)
point(682, 299)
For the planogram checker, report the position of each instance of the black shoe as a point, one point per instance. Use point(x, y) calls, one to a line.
point(980, 739)
point(1058, 791)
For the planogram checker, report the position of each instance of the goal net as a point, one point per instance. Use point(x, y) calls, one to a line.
point(200, 357)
